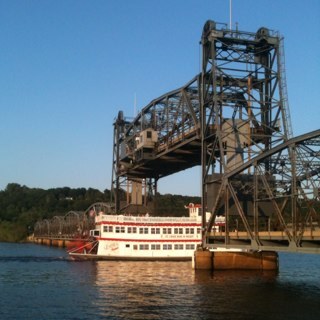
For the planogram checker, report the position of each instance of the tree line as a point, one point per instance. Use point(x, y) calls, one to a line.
point(21, 207)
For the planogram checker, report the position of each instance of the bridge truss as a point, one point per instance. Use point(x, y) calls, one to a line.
point(276, 209)
point(170, 126)
point(72, 225)
point(232, 119)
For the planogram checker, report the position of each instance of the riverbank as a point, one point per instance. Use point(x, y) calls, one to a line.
point(12, 232)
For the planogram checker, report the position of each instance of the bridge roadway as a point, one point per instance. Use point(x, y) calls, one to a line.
point(267, 241)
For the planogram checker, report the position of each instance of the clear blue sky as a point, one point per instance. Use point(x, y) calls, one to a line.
point(67, 68)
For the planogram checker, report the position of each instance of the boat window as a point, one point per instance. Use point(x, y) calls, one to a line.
point(143, 230)
point(120, 229)
point(166, 231)
point(189, 230)
point(190, 246)
point(167, 247)
point(108, 229)
point(144, 247)
point(135, 247)
point(96, 233)
point(178, 246)
point(155, 230)
point(178, 230)
point(127, 245)
point(155, 247)
point(198, 230)
point(132, 229)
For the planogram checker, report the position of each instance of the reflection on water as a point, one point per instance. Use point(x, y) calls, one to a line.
point(38, 282)
point(139, 290)
point(149, 289)
point(171, 290)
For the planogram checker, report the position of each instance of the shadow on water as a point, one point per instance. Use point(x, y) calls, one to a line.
point(32, 259)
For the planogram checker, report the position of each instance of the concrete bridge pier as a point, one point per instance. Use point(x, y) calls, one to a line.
point(61, 243)
point(235, 260)
point(47, 242)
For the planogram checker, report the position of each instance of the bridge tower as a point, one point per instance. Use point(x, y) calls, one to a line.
point(243, 109)
point(131, 190)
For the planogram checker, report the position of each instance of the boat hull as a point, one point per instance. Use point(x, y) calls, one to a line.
point(81, 256)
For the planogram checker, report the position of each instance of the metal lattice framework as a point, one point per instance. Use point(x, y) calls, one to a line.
point(67, 226)
point(234, 110)
point(233, 119)
point(243, 114)
point(274, 210)
point(72, 225)
point(175, 117)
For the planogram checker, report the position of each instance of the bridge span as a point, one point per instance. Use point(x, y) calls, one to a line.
point(268, 241)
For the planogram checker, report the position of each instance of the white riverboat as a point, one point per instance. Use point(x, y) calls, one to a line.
point(134, 237)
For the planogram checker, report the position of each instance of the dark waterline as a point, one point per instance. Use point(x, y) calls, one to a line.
point(39, 282)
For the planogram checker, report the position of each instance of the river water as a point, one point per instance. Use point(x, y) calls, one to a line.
point(39, 282)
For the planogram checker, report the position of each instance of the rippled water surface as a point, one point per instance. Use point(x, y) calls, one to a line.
point(39, 282)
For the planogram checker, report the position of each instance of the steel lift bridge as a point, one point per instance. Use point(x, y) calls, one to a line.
point(233, 120)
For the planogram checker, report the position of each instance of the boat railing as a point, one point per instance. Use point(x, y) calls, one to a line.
point(146, 219)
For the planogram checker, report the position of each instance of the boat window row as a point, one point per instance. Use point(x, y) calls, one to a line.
point(148, 230)
point(165, 246)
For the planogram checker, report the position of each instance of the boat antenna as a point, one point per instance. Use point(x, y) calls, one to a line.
point(230, 14)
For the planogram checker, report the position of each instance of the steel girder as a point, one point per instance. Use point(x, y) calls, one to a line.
point(242, 109)
point(271, 210)
point(175, 118)
point(73, 224)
